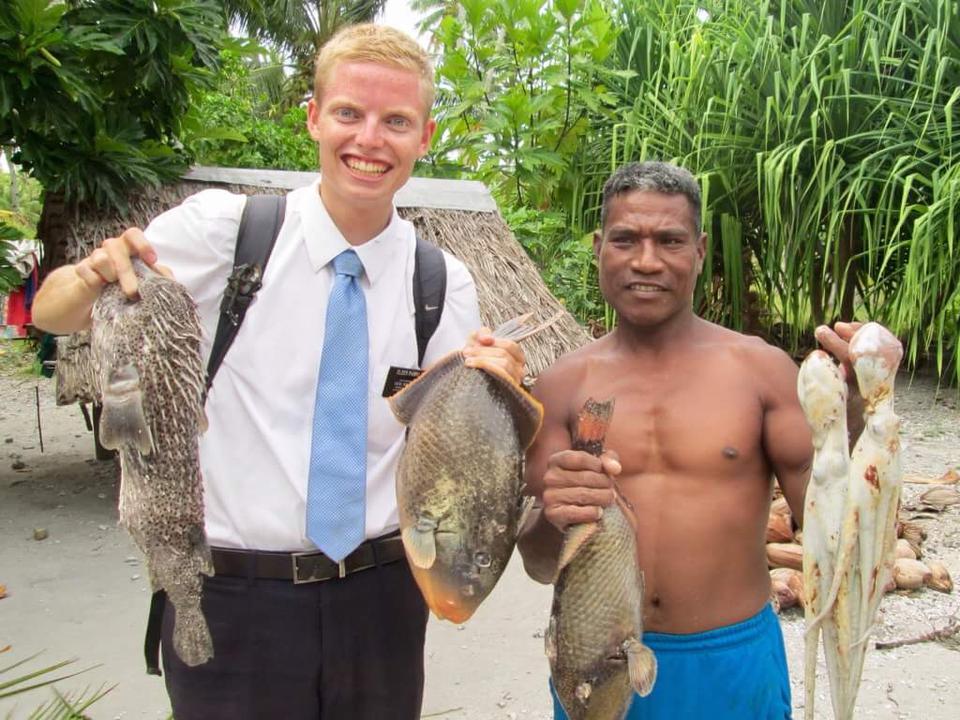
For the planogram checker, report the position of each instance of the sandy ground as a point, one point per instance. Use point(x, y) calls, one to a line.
point(82, 591)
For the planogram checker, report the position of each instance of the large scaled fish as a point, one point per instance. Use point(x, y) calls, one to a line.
point(146, 356)
point(459, 481)
point(595, 638)
point(865, 548)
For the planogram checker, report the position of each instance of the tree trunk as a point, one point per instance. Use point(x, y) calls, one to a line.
point(848, 266)
point(53, 231)
point(14, 189)
point(816, 293)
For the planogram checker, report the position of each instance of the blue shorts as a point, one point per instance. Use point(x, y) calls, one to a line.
point(737, 672)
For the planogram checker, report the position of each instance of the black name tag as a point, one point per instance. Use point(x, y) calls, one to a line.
point(398, 378)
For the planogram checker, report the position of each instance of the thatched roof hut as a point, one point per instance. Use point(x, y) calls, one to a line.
point(458, 215)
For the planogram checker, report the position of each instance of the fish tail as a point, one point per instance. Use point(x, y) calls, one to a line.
point(523, 326)
point(191, 636)
point(592, 423)
point(641, 667)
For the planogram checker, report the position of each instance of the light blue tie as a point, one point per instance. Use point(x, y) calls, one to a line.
point(338, 452)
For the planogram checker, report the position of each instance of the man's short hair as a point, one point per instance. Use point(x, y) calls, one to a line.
point(380, 44)
point(656, 176)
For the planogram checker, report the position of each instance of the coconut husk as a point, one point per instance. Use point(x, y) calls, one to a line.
point(950, 477)
point(785, 555)
point(787, 584)
point(905, 550)
point(910, 574)
point(939, 578)
point(779, 525)
point(939, 498)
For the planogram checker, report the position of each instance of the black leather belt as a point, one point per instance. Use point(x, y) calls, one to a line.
point(305, 567)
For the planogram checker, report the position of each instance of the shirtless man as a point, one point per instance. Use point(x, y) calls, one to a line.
point(704, 418)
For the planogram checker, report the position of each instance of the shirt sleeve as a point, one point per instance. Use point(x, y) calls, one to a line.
point(461, 312)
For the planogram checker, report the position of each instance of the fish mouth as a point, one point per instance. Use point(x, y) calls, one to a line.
point(446, 597)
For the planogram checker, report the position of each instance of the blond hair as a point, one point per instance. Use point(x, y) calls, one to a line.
point(378, 44)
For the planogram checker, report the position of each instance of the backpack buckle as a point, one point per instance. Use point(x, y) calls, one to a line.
point(242, 285)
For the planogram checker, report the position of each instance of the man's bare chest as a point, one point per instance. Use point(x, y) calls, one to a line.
point(677, 422)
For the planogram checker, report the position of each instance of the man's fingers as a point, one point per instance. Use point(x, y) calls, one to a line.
point(90, 277)
point(131, 243)
point(138, 246)
point(575, 461)
point(579, 496)
point(846, 330)
point(502, 355)
point(483, 336)
point(611, 463)
point(832, 342)
point(126, 277)
point(563, 516)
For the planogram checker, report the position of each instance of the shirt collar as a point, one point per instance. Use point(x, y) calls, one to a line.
point(324, 240)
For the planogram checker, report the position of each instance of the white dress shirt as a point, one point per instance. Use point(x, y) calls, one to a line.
point(255, 456)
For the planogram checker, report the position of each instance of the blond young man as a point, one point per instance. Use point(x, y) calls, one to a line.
point(349, 647)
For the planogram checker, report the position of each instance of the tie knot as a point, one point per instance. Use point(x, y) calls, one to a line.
point(347, 263)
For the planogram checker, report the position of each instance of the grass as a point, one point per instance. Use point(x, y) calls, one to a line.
point(18, 357)
point(17, 678)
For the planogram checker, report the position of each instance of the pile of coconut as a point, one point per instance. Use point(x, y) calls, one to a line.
point(911, 571)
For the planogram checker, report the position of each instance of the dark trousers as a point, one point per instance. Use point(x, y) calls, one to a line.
point(342, 649)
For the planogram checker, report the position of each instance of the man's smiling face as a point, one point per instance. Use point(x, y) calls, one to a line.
point(650, 256)
point(371, 125)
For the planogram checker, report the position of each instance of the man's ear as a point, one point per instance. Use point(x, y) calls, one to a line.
point(429, 128)
point(701, 251)
point(597, 243)
point(313, 120)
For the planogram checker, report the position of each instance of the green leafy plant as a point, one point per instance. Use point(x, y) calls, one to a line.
point(520, 87)
point(10, 278)
point(92, 91)
point(63, 706)
point(238, 124)
point(296, 31)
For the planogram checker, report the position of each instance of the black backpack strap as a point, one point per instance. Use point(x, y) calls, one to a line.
point(151, 643)
point(429, 291)
point(259, 227)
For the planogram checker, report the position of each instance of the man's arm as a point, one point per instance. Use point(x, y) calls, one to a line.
point(786, 436)
point(570, 486)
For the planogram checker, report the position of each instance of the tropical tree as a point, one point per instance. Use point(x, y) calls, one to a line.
point(236, 123)
point(521, 84)
point(296, 29)
point(823, 136)
point(92, 93)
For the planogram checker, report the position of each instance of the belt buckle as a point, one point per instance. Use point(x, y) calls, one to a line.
point(295, 568)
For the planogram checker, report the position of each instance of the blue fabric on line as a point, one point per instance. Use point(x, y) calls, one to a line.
point(736, 672)
point(336, 490)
